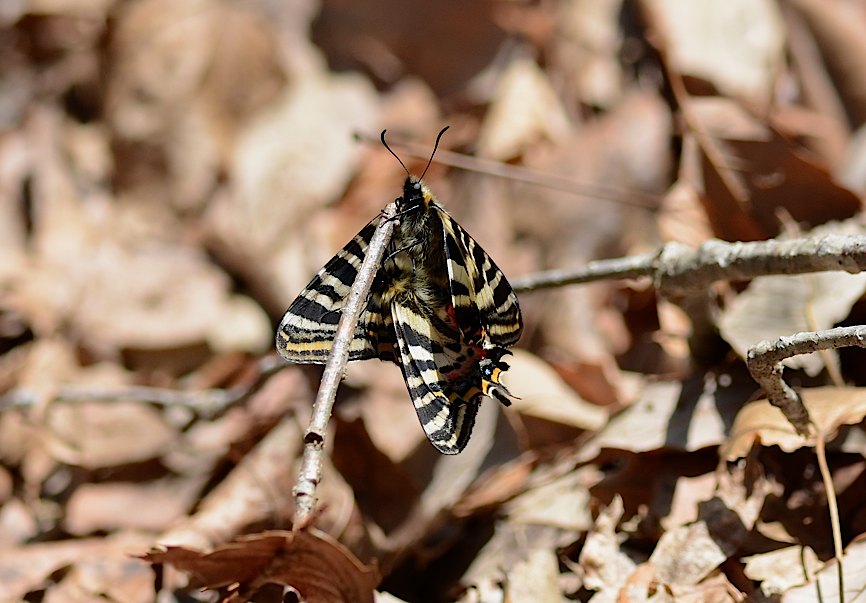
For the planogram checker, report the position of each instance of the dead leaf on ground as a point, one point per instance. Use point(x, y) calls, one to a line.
point(829, 407)
point(775, 306)
point(752, 172)
point(524, 109)
point(826, 581)
point(27, 569)
point(316, 565)
point(96, 434)
point(782, 569)
point(535, 580)
point(700, 40)
point(105, 507)
point(606, 568)
point(679, 415)
point(562, 503)
point(541, 393)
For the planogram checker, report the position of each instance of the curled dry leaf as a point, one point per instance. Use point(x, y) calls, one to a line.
point(829, 407)
point(317, 566)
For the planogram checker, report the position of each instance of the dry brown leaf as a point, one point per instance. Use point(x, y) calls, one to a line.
point(589, 44)
point(782, 569)
point(682, 416)
point(17, 523)
point(451, 476)
point(184, 79)
point(105, 507)
point(372, 36)
point(317, 566)
point(384, 403)
point(687, 555)
point(95, 580)
point(688, 492)
point(837, 28)
point(382, 489)
point(829, 407)
point(250, 493)
point(776, 306)
point(753, 172)
point(562, 503)
point(279, 178)
point(496, 487)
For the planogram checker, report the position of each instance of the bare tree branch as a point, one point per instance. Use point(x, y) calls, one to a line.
point(311, 464)
point(679, 270)
point(207, 404)
point(765, 363)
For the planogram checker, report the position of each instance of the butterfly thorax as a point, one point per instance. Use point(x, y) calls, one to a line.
point(416, 263)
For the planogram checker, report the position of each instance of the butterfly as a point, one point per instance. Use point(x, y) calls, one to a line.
point(439, 308)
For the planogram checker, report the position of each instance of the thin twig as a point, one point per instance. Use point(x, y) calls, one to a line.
point(516, 173)
point(678, 270)
point(833, 508)
point(311, 464)
point(206, 404)
point(619, 268)
point(765, 363)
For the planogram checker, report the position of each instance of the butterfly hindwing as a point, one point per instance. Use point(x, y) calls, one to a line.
point(446, 404)
point(306, 333)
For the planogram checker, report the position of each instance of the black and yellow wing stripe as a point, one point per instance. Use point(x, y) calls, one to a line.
point(482, 296)
point(306, 332)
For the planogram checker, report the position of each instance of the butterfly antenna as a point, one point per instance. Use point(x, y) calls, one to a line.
point(382, 136)
point(435, 146)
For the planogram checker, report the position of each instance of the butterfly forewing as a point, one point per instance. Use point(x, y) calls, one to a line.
point(480, 292)
point(306, 333)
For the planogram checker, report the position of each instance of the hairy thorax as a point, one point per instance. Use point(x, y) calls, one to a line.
point(416, 267)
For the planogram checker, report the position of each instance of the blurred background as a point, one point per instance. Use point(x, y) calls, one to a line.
point(173, 173)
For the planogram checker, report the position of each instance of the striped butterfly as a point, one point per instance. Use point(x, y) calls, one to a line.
point(439, 308)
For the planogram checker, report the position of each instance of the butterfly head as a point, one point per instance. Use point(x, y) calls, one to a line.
point(416, 195)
